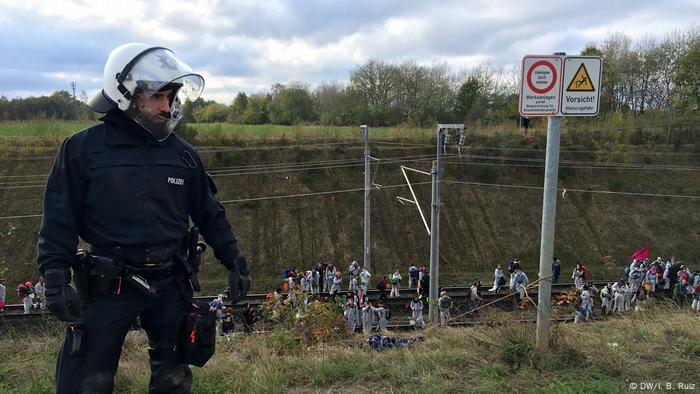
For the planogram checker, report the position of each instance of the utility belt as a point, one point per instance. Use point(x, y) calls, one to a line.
point(105, 271)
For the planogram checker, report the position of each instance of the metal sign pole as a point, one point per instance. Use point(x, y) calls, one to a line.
point(368, 188)
point(549, 208)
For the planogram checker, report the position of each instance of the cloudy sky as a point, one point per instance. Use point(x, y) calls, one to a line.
point(243, 45)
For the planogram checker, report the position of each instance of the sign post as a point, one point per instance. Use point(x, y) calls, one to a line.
point(554, 86)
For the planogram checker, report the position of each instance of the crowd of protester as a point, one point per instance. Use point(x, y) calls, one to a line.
point(31, 295)
point(640, 280)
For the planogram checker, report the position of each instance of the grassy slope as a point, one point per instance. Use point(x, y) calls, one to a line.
point(481, 225)
point(659, 345)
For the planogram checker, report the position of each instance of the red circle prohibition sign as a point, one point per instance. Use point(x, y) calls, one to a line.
point(551, 84)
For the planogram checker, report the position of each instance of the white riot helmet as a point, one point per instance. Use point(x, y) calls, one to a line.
point(135, 72)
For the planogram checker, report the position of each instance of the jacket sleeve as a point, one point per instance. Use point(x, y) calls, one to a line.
point(63, 210)
point(209, 215)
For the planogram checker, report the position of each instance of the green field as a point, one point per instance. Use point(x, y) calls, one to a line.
point(42, 128)
point(58, 128)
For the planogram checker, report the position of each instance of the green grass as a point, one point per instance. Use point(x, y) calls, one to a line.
point(581, 359)
point(42, 128)
point(51, 127)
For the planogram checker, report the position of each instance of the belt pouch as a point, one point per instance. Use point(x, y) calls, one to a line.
point(104, 274)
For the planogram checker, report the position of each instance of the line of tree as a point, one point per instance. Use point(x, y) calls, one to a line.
point(378, 93)
point(59, 105)
point(649, 75)
point(645, 76)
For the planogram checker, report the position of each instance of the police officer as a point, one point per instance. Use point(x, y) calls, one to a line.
point(128, 187)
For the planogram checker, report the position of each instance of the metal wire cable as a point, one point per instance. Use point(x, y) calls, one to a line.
point(277, 197)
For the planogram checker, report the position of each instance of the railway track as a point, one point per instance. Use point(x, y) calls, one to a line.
point(14, 313)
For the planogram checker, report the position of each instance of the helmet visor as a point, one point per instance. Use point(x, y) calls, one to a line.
point(157, 67)
point(161, 83)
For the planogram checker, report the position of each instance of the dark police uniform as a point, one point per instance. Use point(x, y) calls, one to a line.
point(129, 196)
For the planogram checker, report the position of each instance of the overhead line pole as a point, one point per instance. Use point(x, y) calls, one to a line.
point(368, 187)
point(435, 222)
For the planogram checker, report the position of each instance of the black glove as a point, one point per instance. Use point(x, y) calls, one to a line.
point(238, 279)
point(61, 299)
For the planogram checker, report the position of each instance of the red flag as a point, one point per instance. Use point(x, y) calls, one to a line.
point(641, 254)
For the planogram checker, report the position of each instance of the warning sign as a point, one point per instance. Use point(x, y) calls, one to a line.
point(582, 75)
point(540, 85)
point(581, 82)
point(560, 85)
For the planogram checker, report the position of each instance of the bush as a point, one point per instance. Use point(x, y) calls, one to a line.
point(307, 324)
point(186, 132)
point(484, 173)
point(517, 349)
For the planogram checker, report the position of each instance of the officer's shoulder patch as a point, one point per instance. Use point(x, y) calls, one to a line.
point(187, 158)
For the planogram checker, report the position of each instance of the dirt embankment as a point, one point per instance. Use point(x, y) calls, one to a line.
point(484, 220)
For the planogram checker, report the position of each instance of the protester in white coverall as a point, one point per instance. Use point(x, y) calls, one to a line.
point(417, 312)
point(353, 284)
point(667, 280)
point(367, 316)
point(315, 280)
point(444, 305)
point(577, 276)
point(354, 272)
point(39, 296)
point(629, 292)
point(586, 303)
point(27, 298)
point(652, 278)
point(618, 289)
point(412, 276)
point(395, 284)
point(337, 281)
point(329, 276)
point(365, 277)
point(351, 315)
point(497, 277)
point(304, 283)
point(606, 299)
point(520, 282)
point(381, 316)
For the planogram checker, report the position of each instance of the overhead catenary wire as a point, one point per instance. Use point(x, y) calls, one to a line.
point(319, 164)
point(391, 160)
point(403, 159)
point(291, 169)
point(281, 165)
point(470, 147)
point(640, 194)
point(294, 166)
point(383, 187)
point(215, 150)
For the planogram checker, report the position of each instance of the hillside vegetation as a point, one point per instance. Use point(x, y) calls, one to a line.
point(492, 199)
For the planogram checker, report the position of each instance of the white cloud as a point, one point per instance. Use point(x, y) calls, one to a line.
point(249, 44)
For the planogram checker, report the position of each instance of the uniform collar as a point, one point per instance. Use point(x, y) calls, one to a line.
point(121, 130)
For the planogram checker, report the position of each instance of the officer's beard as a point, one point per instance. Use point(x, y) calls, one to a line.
point(159, 124)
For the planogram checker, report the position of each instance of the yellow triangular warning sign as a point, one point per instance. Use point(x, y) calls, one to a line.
point(581, 81)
